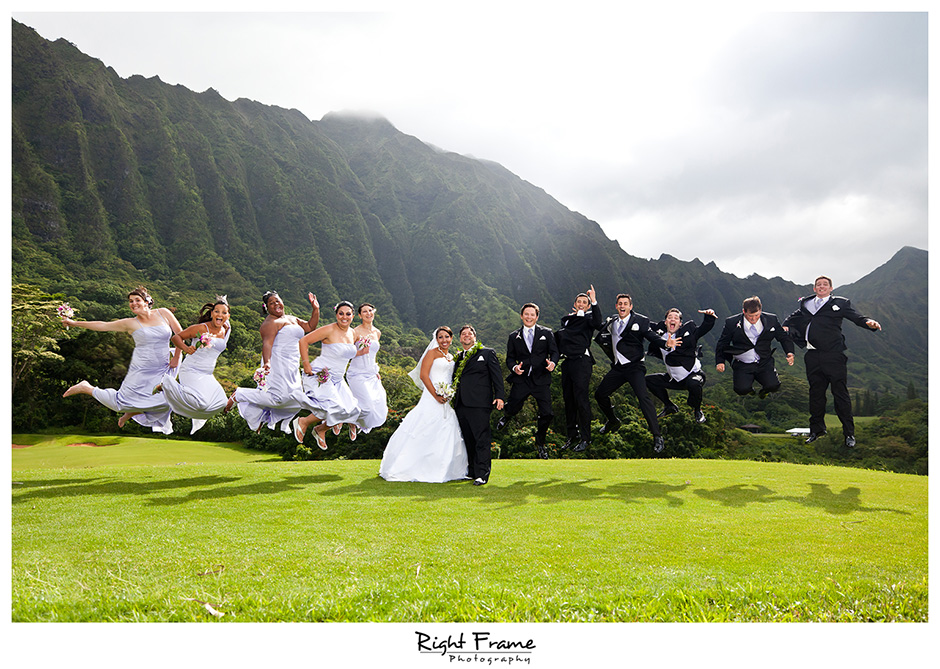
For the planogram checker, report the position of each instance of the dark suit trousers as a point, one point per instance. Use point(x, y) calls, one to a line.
point(633, 373)
point(763, 371)
point(520, 390)
point(827, 369)
point(475, 426)
point(660, 384)
point(575, 388)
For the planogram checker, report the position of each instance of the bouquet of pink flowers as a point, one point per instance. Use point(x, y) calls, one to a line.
point(205, 339)
point(65, 311)
point(362, 343)
point(259, 377)
point(323, 375)
point(445, 390)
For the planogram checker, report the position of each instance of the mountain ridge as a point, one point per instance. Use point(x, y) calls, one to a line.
point(118, 180)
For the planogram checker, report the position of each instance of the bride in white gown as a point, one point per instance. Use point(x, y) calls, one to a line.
point(427, 446)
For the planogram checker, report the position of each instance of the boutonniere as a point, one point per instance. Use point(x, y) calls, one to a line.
point(772, 329)
point(739, 323)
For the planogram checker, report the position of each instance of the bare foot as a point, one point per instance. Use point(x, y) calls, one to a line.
point(123, 419)
point(157, 389)
point(80, 387)
point(229, 404)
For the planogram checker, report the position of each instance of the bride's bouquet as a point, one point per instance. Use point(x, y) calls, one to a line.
point(323, 375)
point(362, 342)
point(445, 390)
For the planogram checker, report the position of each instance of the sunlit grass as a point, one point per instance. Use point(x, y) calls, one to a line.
point(617, 540)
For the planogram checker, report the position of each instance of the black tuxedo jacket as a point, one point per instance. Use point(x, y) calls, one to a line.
point(686, 353)
point(574, 336)
point(631, 341)
point(734, 340)
point(544, 348)
point(481, 381)
point(825, 326)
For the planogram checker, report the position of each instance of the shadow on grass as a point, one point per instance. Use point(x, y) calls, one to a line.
point(554, 491)
point(202, 488)
point(820, 496)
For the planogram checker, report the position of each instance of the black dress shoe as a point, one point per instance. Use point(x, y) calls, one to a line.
point(764, 393)
point(850, 441)
point(611, 426)
point(501, 423)
point(479, 481)
point(658, 444)
point(699, 416)
point(668, 409)
point(581, 447)
point(569, 442)
point(543, 452)
point(813, 436)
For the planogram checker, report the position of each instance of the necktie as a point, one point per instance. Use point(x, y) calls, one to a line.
point(752, 332)
point(621, 324)
point(529, 336)
point(819, 303)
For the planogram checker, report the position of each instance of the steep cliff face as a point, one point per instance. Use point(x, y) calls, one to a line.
point(132, 179)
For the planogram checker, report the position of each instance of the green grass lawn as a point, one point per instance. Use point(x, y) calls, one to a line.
point(153, 530)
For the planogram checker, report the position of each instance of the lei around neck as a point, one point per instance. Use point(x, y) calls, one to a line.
point(463, 361)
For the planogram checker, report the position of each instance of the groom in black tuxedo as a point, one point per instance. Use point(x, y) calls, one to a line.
point(479, 388)
point(531, 356)
point(817, 325)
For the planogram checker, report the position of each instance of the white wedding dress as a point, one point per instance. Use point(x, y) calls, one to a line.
point(427, 446)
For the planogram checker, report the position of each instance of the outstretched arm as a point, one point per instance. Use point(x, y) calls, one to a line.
point(122, 325)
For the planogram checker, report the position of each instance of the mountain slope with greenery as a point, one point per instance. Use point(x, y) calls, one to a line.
point(120, 181)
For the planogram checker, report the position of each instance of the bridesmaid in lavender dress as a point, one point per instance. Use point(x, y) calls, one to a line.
point(195, 392)
point(282, 397)
point(329, 399)
point(151, 329)
point(363, 373)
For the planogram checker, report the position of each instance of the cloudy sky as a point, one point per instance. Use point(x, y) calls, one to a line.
point(778, 144)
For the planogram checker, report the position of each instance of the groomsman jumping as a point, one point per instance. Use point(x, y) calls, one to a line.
point(574, 345)
point(745, 342)
point(531, 356)
point(817, 325)
point(622, 337)
point(678, 346)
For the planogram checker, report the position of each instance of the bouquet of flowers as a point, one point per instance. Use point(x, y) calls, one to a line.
point(445, 390)
point(362, 342)
point(259, 377)
point(65, 311)
point(205, 339)
point(323, 375)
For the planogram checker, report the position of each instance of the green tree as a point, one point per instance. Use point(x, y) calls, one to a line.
point(36, 329)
